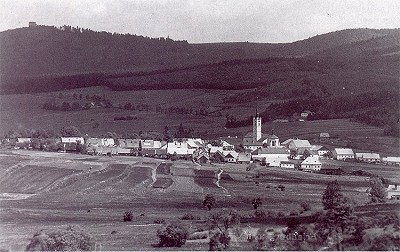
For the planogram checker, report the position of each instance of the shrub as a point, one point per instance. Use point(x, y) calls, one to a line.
point(190, 217)
point(293, 213)
point(281, 214)
point(256, 202)
point(260, 214)
point(172, 236)
point(209, 201)
point(306, 206)
point(70, 239)
point(159, 221)
point(281, 187)
point(128, 216)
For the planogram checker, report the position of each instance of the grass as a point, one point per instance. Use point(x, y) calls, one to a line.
point(125, 187)
point(163, 183)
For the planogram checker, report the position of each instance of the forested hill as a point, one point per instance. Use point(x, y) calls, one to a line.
point(46, 58)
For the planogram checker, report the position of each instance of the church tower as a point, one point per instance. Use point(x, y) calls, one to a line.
point(256, 127)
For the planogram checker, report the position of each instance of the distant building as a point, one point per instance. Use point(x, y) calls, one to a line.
point(72, 140)
point(319, 150)
point(324, 137)
point(391, 160)
point(311, 163)
point(271, 156)
point(368, 157)
point(343, 153)
point(393, 192)
point(305, 113)
point(230, 156)
point(244, 158)
point(288, 164)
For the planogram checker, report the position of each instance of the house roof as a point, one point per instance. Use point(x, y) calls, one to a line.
point(311, 160)
point(298, 143)
point(368, 155)
point(392, 159)
point(324, 134)
point(129, 143)
point(270, 151)
point(288, 162)
point(232, 140)
point(244, 156)
point(286, 141)
point(344, 151)
point(233, 154)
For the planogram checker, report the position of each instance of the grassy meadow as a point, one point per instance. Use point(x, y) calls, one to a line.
point(42, 190)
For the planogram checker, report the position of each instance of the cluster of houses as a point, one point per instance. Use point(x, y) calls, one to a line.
point(255, 146)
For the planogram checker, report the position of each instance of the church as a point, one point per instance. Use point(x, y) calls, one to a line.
point(256, 139)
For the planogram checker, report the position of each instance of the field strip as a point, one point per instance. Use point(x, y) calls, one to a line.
point(144, 225)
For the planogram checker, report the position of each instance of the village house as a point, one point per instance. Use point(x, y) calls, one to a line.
point(319, 150)
point(391, 160)
point(324, 137)
point(72, 140)
point(201, 156)
point(368, 157)
point(230, 143)
point(271, 156)
point(100, 142)
point(296, 144)
point(217, 157)
point(343, 153)
point(311, 164)
point(150, 144)
point(132, 144)
point(214, 149)
point(230, 156)
point(305, 113)
point(244, 158)
point(288, 164)
point(393, 192)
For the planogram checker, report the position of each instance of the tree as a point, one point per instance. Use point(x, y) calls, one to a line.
point(220, 222)
point(71, 239)
point(377, 192)
point(209, 201)
point(256, 202)
point(70, 131)
point(337, 216)
point(172, 236)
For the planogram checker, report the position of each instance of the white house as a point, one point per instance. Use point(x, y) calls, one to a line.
point(393, 192)
point(100, 142)
point(311, 163)
point(150, 144)
point(343, 153)
point(296, 144)
point(391, 160)
point(230, 156)
point(288, 164)
point(214, 149)
point(271, 156)
point(72, 140)
point(179, 148)
point(320, 150)
point(23, 140)
point(368, 157)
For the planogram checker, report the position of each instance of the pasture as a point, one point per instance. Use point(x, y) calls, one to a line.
point(48, 190)
point(23, 111)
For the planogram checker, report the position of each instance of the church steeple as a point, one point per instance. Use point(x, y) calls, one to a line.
point(256, 127)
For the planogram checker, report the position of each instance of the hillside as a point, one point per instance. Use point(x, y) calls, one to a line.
point(47, 50)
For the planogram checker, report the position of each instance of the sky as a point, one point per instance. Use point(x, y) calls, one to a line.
point(202, 21)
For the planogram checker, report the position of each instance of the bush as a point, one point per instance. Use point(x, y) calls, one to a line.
point(190, 217)
point(293, 213)
point(71, 239)
point(172, 236)
point(281, 187)
point(159, 221)
point(281, 214)
point(306, 206)
point(260, 214)
point(128, 216)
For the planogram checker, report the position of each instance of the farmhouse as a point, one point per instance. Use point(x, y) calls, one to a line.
point(230, 156)
point(217, 157)
point(201, 156)
point(214, 149)
point(288, 164)
point(311, 163)
point(150, 144)
point(324, 137)
point(24, 140)
point(393, 192)
point(319, 150)
point(230, 142)
point(72, 140)
point(244, 158)
point(391, 160)
point(271, 156)
point(343, 153)
point(133, 144)
point(100, 142)
point(296, 144)
point(368, 157)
